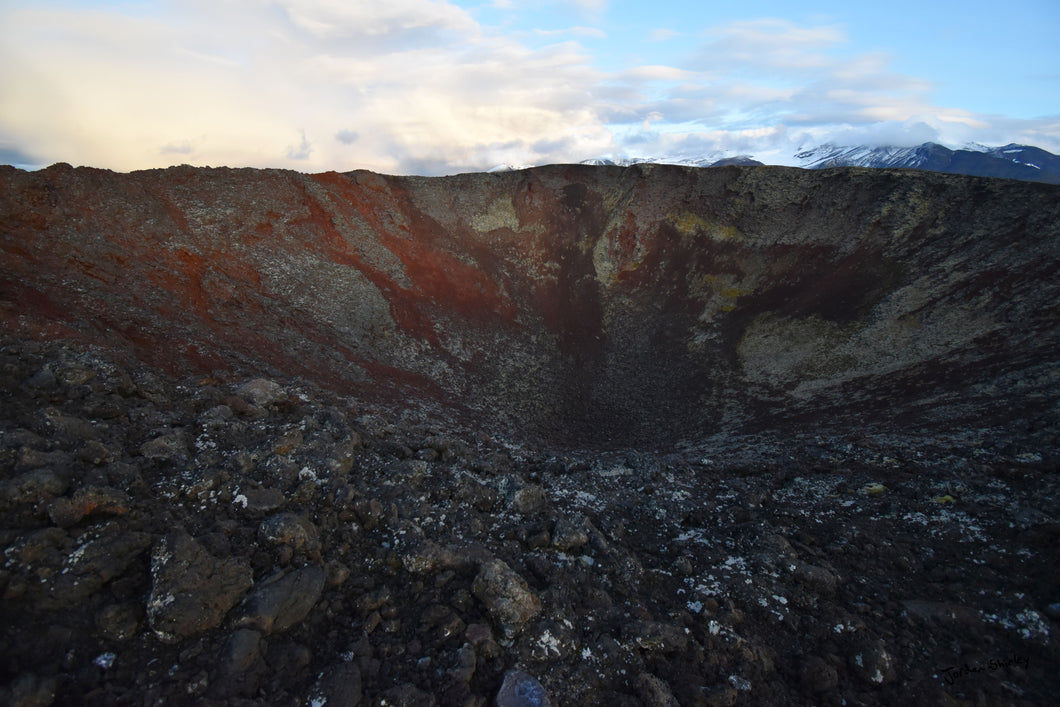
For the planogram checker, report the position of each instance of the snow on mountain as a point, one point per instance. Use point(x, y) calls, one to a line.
point(868, 156)
point(1008, 161)
point(710, 161)
point(506, 167)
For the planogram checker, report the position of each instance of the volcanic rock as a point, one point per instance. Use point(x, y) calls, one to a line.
point(742, 436)
point(191, 590)
point(506, 596)
point(649, 305)
point(521, 689)
point(279, 604)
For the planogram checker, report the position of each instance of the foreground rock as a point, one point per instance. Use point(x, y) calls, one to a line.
point(507, 598)
point(715, 576)
point(190, 589)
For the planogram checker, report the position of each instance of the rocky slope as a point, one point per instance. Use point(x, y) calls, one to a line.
point(589, 305)
point(653, 435)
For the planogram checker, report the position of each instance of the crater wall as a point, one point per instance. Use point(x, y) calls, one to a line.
point(641, 306)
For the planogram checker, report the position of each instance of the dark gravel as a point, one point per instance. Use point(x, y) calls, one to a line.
point(227, 540)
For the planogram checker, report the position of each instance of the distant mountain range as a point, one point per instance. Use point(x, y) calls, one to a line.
point(1011, 161)
point(686, 161)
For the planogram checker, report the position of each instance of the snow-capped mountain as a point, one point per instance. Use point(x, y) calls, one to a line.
point(1009, 162)
point(713, 161)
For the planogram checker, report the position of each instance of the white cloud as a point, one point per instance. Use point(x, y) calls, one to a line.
point(116, 92)
point(594, 32)
point(419, 86)
point(770, 86)
point(346, 18)
point(178, 147)
point(774, 44)
point(302, 151)
point(662, 34)
point(346, 136)
point(597, 6)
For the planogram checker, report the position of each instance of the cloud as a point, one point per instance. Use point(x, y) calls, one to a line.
point(16, 157)
point(346, 136)
point(302, 151)
point(595, 6)
point(662, 34)
point(775, 44)
point(341, 18)
point(576, 31)
point(108, 90)
point(777, 83)
point(177, 147)
point(420, 86)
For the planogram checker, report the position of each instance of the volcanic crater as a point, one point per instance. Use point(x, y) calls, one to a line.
point(587, 306)
point(576, 435)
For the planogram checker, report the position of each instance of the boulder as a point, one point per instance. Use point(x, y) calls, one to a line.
point(279, 604)
point(191, 590)
point(506, 596)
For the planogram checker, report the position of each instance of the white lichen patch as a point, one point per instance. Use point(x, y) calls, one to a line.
point(739, 683)
point(203, 443)
point(737, 564)
point(1028, 623)
point(548, 644)
point(105, 660)
point(615, 472)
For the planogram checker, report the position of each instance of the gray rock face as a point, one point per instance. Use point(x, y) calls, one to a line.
point(291, 529)
point(872, 662)
point(103, 555)
point(278, 605)
point(241, 664)
point(191, 590)
point(506, 596)
point(816, 578)
point(262, 392)
point(657, 636)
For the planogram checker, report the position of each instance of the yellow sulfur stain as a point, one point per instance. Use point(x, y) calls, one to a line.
point(690, 224)
point(873, 489)
point(723, 288)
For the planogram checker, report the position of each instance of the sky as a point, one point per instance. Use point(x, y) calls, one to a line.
point(444, 86)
